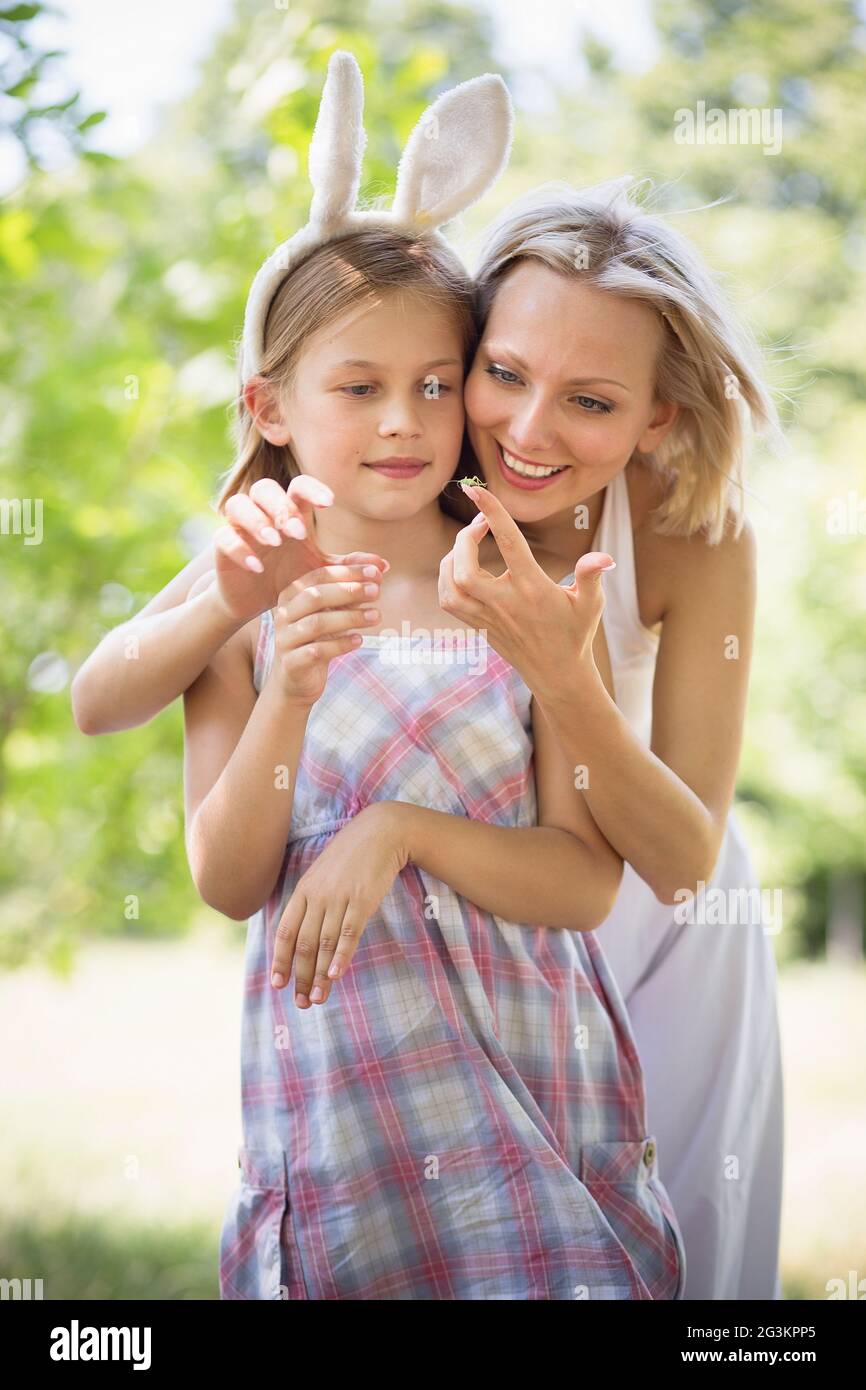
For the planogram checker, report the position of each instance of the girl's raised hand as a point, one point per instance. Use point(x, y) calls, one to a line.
point(269, 542)
point(543, 629)
point(313, 622)
point(334, 900)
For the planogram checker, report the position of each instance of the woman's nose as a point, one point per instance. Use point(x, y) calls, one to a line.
point(531, 429)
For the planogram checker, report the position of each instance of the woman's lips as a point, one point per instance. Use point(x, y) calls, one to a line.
point(518, 480)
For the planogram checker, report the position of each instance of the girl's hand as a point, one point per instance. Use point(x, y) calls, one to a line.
point(313, 623)
point(270, 541)
point(543, 629)
point(334, 900)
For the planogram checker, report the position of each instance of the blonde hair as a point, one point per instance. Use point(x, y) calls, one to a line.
point(332, 280)
point(709, 364)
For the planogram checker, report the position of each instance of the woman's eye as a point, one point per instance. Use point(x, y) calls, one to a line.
point(501, 373)
point(360, 387)
point(590, 403)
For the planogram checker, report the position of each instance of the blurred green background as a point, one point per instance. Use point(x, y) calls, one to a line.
point(123, 282)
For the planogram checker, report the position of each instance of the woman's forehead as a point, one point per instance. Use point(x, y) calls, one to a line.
point(548, 318)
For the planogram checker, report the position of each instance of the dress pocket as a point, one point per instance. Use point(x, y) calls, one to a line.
point(258, 1256)
point(622, 1176)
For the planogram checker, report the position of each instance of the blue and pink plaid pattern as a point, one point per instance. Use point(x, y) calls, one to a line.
point(464, 1118)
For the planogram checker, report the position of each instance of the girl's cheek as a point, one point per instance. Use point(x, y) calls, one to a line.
point(480, 403)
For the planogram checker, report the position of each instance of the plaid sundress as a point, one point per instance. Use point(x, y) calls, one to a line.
point(464, 1117)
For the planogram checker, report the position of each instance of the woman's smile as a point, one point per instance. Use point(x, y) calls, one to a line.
point(521, 473)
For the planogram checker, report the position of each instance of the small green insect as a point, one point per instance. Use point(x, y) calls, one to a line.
point(472, 482)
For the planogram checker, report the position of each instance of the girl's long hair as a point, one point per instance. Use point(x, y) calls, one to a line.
point(709, 363)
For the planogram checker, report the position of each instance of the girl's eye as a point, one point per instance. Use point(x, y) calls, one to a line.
point(359, 387)
point(500, 374)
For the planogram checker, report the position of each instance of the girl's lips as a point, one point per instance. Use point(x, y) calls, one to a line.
point(397, 470)
point(518, 480)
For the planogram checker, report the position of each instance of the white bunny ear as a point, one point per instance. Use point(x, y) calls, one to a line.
point(455, 153)
point(337, 146)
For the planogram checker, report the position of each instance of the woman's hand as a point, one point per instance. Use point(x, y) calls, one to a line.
point(316, 619)
point(334, 900)
point(545, 630)
point(270, 541)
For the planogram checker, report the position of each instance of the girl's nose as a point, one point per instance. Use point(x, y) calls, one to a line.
point(400, 417)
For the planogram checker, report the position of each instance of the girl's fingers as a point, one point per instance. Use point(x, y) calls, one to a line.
point(328, 574)
point(327, 945)
point(284, 939)
point(305, 493)
point(234, 547)
point(317, 494)
point(364, 557)
point(306, 952)
point(283, 511)
point(300, 659)
point(319, 627)
point(358, 592)
point(248, 518)
point(319, 598)
point(350, 935)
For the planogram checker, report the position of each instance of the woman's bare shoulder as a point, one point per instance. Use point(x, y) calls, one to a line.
point(681, 569)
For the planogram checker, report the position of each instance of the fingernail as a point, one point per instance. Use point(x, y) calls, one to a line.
point(301, 1000)
point(295, 527)
point(253, 562)
point(333, 970)
point(277, 980)
point(386, 567)
point(477, 520)
point(317, 994)
point(611, 566)
point(371, 571)
point(270, 536)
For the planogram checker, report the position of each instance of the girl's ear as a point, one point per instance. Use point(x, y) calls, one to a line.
point(265, 411)
point(339, 139)
point(663, 420)
point(456, 151)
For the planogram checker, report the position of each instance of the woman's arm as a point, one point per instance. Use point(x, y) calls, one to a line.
point(142, 665)
point(560, 874)
point(665, 807)
point(240, 762)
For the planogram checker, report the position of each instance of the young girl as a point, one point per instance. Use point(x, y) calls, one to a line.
point(462, 1116)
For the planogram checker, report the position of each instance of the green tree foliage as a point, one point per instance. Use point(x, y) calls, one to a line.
point(123, 284)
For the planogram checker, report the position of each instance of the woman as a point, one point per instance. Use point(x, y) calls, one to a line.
point(605, 410)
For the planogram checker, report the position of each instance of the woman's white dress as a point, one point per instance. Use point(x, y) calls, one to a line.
point(701, 996)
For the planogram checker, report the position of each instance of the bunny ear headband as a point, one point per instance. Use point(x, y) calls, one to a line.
point(456, 152)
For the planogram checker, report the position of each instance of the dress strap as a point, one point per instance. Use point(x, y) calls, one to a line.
point(264, 649)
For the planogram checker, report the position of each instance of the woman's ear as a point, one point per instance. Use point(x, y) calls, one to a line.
point(261, 401)
point(664, 417)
